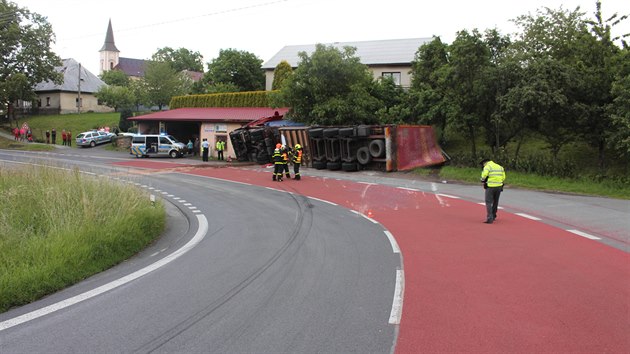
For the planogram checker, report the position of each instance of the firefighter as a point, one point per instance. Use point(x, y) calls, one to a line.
point(277, 163)
point(297, 161)
point(285, 161)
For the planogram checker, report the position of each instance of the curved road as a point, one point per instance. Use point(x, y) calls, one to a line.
point(313, 266)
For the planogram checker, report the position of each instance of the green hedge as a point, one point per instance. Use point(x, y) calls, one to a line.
point(230, 99)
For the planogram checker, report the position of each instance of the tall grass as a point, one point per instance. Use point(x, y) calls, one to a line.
point(59, 227)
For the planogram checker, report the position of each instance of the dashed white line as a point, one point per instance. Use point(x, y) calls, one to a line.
point(584, 234)
point(397, 303)
point(322, 200)
point(182, 201)
point(448, 196)
point(409, 189)
point(528, 216)
point(187, 204)
point(201, 232)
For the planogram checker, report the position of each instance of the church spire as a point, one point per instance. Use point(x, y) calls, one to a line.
point(109, 44)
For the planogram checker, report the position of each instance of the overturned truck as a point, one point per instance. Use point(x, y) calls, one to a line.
point(348, 148)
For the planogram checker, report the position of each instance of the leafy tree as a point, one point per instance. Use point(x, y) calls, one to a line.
point(139, 93)
point(115, 77)
point(117, 97)
point(221, 88)
point(331, 87)
point(180, 59)
point(429, 99)
point(239, 68)
point(280, 74)
point(619, 109)
point(27, 59)
point(124, 124)
point(162, 82)
point(467, 84)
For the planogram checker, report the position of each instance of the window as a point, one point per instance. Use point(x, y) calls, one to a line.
point(39, 103)
point(394, 75)
point(47, 101)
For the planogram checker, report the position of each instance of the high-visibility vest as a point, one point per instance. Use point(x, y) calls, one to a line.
point(494, 173)
point(297, 157)
point(220, 145)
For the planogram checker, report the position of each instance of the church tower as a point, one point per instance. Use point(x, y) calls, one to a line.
point(109, 52)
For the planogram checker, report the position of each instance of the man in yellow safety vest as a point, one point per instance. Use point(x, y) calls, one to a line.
point(492, 177)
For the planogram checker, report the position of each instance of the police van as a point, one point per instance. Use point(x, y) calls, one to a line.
point(156, 145)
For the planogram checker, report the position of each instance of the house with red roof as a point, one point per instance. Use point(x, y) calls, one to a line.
point(214, 123)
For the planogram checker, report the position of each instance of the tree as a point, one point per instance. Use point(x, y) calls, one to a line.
point(331, 87)
point(27, 59)
point(115, 77)
point(117, 97)
point(280, 74)
point(240, 68)
point(180, 59)
point(162, 82)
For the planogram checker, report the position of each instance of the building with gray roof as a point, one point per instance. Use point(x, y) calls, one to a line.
point(79, 84)
point(391, 57)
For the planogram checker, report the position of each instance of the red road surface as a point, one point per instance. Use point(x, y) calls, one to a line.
point(514, 286)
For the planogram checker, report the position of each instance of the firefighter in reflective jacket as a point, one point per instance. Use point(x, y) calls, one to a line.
point(492, 177)
point(277, 163)
point(285, 161)
point(297, 161)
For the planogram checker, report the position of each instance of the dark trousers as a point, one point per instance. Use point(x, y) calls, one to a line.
point(285, 168)
point(277, 171)
point(492, 202)
point(296, 170)
point(205, 155)
point(220, 154)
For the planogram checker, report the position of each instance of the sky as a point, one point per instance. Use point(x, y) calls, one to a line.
point(264, 27)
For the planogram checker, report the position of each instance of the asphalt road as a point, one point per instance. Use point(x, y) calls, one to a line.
point(287, 271)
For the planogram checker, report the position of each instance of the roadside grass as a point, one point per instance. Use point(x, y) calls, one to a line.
point(60, 227)
point(76, 123)
point(16, 145)
point(584, 186)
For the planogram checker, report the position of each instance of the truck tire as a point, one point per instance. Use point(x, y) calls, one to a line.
point(331, 132)
point(333, 165)
point(377, 148)
point(349, 166)
point(319, 165)
point(316, 132)
point(363, 155)
point(346, 132)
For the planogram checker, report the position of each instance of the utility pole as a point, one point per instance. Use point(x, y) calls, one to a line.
point(79, 96)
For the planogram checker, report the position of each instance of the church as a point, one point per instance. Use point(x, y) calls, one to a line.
point(111, 59)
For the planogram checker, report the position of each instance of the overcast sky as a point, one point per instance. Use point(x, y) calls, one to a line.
point(263, 27)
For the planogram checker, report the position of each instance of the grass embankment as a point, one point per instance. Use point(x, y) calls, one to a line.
point(76, 123)
point(60, 227)
point(612, 189)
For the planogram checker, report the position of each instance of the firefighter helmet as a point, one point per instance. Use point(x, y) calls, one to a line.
point(278, 146)
point(298, 146)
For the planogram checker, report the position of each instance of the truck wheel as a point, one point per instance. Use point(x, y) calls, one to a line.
point(377, 148)
point(349, 166)
point(363, 155)
point(316, 132)
point(333, 165)
point(319, 165)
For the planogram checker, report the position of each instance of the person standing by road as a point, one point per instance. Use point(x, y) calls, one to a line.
point(278, 164)
point(205, 147)
point(196, 147)
point(53, 135)
point(189, 147)
point(63, 137)
point(220, 147)
point(69, 137)
point(285, 161)
point(297, 161)
point(47, 136)
point(492, 176)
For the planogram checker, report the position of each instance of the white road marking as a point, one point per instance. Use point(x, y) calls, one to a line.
point(187, 204)
point(397, 303)
point(182, 201)
point(584, 234)
point(201, 232)
point(368, 183)
point(409, 189)
point(392, 241)
point(528, 216)
point(322, 200)
point(448, 196)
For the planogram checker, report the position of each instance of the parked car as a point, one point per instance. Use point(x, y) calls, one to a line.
point(93, 138)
